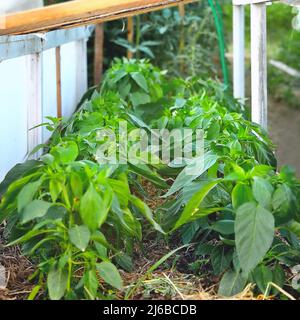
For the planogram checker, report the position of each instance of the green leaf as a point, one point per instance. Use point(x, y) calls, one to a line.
point(231, 284)
point(192, 172)
point(192, 207)
point(92, 209)
point(35, 209)
point(140, 80)
point(241, 194)
point(294, 227)
point(262, 191)
point(238, 173)
point(278, 278)
point(55, 189)
point(110, 274)
point(144, 171)
point(57, 283)
point(282, 203)
point(220, 259)
point(261, 170)
point(34, 292)
point(80, 236)
point(254, 233)
point(66, 151)
point(76, 184)
point(124, 261)
point(214, 131)
point(91, 283)
point(146, 212)
point(262, 276)
point(225, 227)
point(27, 193)
point(138, 98)
point(16, 173)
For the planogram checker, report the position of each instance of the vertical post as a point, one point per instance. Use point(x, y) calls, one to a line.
point(259, 64)
point(181, 8)
point(34, 101)
point(58, 82)
point(99, 55)
point(81, 68)
point(239, 52)
point(130, 35)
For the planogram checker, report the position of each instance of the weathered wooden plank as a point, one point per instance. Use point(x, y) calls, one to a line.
point(79, 12)
point(58, 82)
point(130, 35)
point(99, 53)
point(259, 64)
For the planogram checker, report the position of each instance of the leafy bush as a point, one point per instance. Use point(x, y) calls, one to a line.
point(79, 220)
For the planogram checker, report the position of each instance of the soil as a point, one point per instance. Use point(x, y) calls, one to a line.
point(284, 128)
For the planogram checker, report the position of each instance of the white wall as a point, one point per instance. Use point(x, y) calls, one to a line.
point(14, 97)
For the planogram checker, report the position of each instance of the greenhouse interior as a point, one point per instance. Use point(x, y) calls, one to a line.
point(150, 151)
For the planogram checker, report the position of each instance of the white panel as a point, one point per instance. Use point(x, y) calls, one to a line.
point(259, 98)
point(23, 86)
point(49, 89)
point(33, 102)
point(74, 75)
point(13, 114)
point(239, 53)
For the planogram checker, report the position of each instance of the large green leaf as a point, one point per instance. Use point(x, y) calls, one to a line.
point(254, 233)
point(16, 173)
point(92, 209)
point(65, 151)
point(282, 202)
point(27, 193)
point(225, 227)
point(140, 80)
point(35, 209)
point(231, 284)
point(241, 194)
point(192, 172)
point(57, 283)
point(221, 259)
point(262, 191)
point(144, 171)
point(192, 207)
point(262, 276)
point(146, 212)
point(110, 274)
point(80, 236)
point(91, 283)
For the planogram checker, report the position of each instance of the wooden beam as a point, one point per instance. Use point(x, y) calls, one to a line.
point(130, 35)
point(99, 53)
point(79, 12)
point(58, 82)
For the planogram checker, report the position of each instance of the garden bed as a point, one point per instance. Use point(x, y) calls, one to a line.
point(215, 220)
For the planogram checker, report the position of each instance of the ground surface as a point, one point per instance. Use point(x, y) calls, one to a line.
point(284, 128)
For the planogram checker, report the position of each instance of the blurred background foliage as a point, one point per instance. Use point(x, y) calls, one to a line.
point(188, 45)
